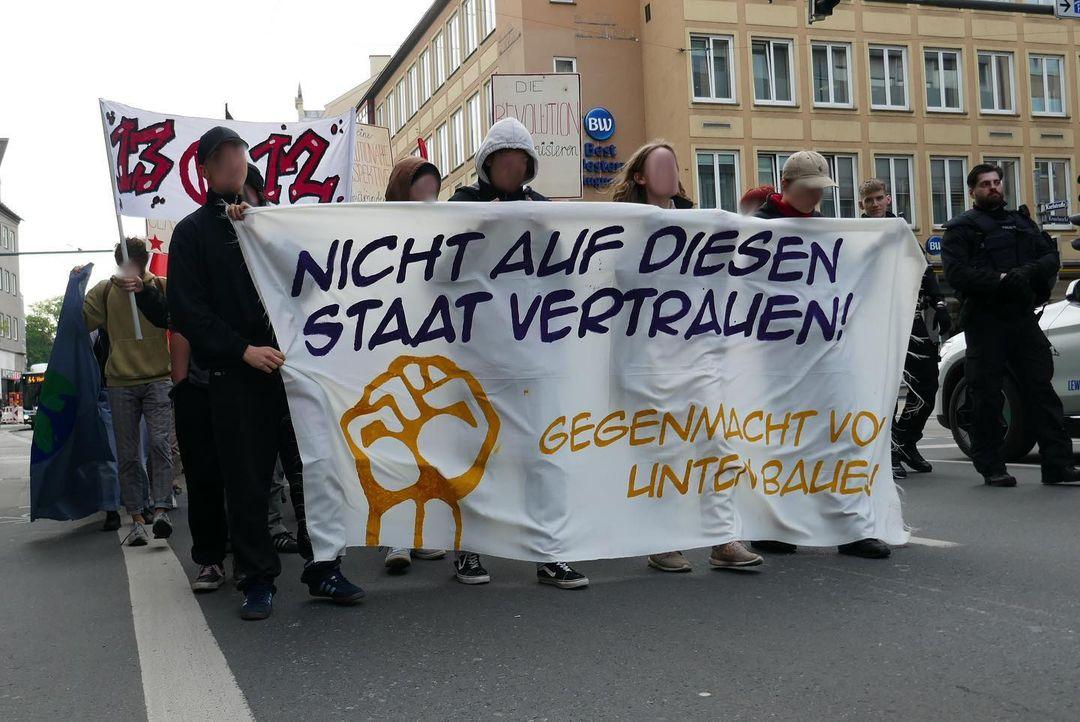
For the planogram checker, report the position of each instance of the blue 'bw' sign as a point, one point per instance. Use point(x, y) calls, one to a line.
point(600, 124)
point(933, 245)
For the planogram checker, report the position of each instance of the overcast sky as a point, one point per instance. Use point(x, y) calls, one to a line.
point(187, 58)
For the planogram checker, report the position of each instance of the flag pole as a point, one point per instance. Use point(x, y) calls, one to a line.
point(119, 223)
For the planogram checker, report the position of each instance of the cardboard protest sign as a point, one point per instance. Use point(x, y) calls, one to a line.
point(574, 381)
point(550, 107)
point(373, 162)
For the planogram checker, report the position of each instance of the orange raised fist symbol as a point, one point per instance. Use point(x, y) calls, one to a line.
point(420, 403)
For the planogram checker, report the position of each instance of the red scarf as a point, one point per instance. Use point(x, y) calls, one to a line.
point(786, 209)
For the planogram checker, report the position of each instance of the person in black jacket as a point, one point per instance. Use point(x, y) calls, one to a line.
point(920, 363)
point(505, 163)
point(1002, 266)
point(802, 183)
point(213, 303)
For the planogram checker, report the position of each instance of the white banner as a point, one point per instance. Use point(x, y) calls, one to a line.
point(373, 163)
point(576, 381)
point(152, 159)
point(549, 105)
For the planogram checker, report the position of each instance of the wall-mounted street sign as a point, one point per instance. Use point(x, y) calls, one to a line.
point(1067, 8)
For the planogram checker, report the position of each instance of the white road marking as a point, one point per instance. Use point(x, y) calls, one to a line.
point(937, 446)
point(940, 543)
point(184, 673)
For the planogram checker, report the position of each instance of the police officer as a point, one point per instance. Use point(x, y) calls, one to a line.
point(1002, 266)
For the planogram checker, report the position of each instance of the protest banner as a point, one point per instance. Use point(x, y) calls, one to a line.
point(152, 159)
point(575, 381)
point(372, 164)
point(549, 106)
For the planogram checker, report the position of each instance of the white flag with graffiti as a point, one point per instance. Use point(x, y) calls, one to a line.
point(573, 381)
point(152, 159)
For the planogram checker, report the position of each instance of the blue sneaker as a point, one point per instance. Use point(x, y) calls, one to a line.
point(330, 583)
point(258, 602)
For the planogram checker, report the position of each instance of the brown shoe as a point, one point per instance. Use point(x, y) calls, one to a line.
point(733, 554)
point(670, 562)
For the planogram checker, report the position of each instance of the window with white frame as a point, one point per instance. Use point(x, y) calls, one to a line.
point(3, 236)
point(391, 112)
point(15, 284)
point(944, 81)
point(379, 117)
point(996, 93)
point(15, 326)
point(430, 146)
point(424, 69)
point(414, 90)
point(888, 77)
point(487, 18)
point(1047, 75)
point(474, 137)
point(842, 200)
point(1052, 181)
point(362, 115)
point(831, 74)
point(487, 112)
point(564, 65)
point(1010, 181)
point(438, 52)
point(401, 112)
point(711, 67)
point(468, 18)
point(769, 167)
point(897, 171)
point(718, 180)
point(948, 177)
point(453, 38)
point(442, 150)
point(457, 132)
point(772, 72)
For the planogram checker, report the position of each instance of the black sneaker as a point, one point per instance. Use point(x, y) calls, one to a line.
point(162, 526)
point(561, 575)
point(866, 548)
point(898, 470)
point(112, 521)
point(286, 543)
point(909, 454)
point(774, 547)
point(330, 583)
point(1001, 479)
point(469, 570)
point(1065, 475)
point(209, 578)
point(258, 602)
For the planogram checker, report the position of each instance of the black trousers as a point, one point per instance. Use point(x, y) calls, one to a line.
point(1019, 344)
point(205, 483)
point(921, 377)
point(252, 427)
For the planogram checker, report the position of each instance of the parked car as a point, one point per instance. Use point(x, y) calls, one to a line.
point(1061, 323)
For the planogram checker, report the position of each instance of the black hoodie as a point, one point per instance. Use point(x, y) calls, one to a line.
point(212, 300)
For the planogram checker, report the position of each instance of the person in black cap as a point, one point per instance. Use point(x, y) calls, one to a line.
point(213, 303)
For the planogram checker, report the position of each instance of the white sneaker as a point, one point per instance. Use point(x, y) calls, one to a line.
point(398, 559)
point(137, 536)
point(429, 553)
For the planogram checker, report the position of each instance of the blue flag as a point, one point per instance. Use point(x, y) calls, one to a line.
point(72, 466)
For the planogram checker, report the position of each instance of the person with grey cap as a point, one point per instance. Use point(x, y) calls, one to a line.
point(505, 163)
point(802, 185)
point(213, 303)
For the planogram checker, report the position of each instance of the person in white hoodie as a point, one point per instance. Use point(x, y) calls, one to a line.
point(505, 164)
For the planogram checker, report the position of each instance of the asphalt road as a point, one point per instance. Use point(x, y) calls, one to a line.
point(979, 621)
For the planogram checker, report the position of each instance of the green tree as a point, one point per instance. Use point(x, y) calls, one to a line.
point(41, 329)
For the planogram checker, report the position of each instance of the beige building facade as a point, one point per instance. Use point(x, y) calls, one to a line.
point(915, 93)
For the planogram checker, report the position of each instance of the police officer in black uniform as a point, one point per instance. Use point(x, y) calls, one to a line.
point(1002, 266)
